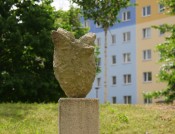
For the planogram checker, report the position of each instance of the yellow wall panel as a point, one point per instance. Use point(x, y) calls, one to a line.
point(149, 65)
point(155, 14)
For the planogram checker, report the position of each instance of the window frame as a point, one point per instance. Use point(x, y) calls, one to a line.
point(126, 16)
point(86, 23)
point(147, 54)
point(113, 38)
point(147, 77)
point(114, 99)
point(98, 82)
point(99, 62)
point(127, 99)
point(161, 9)
point(127, 79)
point(146, 33)
point(126, 36)
point(148, 100)
point(98, 41)
point(114, 60)
point(145, 11)
point(114, 80)
point(126, 58)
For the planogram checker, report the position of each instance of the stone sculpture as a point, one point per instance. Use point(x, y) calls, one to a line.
point(74, 62)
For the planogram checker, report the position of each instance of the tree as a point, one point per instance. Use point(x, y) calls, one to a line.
point(169, 6)
point(70, 20)
point(167, 56)
point(104, 13)
point(26, 51)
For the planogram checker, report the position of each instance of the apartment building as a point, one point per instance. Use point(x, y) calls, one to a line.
point(149, 13)
point(132, 62)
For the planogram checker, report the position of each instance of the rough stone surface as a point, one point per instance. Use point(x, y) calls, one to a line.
point(74, 62)
point(78, 116)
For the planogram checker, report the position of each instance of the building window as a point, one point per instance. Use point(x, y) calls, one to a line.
point(99, 62)
point(86, 23)
point(98, 82)
point(114, 80)
point(147, 54)
point(147, 76)
point(126, 16)
point(126, 57)
point(147, 100)
point(98, 41)
point(127, 99)
point(127, 78)
point(161, 8)
point(146, 32)
point(146, 11)
point(114, 100)
point(126, 36)
point(114, 59)
point(113, 39)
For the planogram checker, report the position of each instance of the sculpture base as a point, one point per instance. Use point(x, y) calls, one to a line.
point(78, 116)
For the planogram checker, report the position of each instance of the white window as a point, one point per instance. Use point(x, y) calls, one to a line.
point(126, 36)
point(113, 39)
point(98, 82)
point(114, 100)
point(146, 11)
point(126, 57)
point(147, 54)
point(161, 8)
point(99, 62)
point(114, 80)
point(147, 76)
point(98, 41)
point(86, 23)
point(127, 99)
point(127, 78)
point(146, 32)
point(126, 16)
point(98, 25)
point(114, 59)
point(147, 100)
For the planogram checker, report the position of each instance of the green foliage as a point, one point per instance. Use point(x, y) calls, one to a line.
point(26, 49)
point(103, 12)
point(112, 119)
point(26, 52)
point(97, 52)
point(169, 6)
point(70, 21)
point(167, 55)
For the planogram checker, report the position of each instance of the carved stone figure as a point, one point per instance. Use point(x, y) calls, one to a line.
point(74, 62)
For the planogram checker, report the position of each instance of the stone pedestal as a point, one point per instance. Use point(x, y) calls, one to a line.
point(78, 116)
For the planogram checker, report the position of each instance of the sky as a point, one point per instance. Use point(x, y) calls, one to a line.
point(61, 4)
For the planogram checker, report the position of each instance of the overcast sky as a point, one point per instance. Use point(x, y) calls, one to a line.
point(61, 4)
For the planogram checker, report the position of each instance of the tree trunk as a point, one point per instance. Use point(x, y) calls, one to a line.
point(105, 67)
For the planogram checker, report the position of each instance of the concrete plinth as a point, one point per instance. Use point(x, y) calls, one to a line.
point(78, 116)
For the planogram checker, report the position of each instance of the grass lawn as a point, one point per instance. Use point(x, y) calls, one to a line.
point(20, 118)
